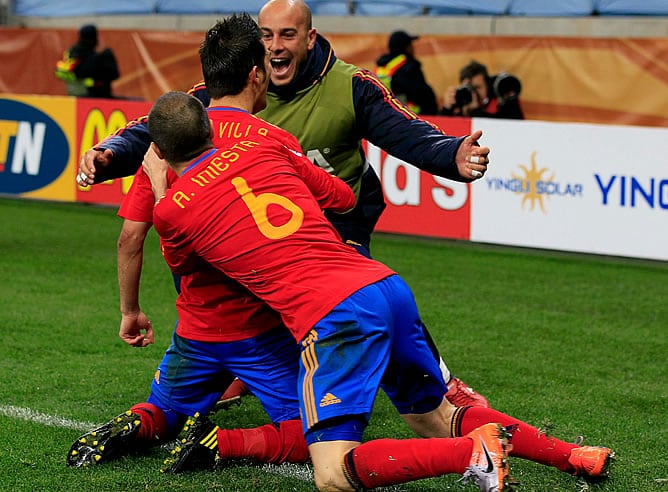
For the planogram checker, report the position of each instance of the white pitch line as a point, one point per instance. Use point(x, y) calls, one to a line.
point(289, 470)
point(305, 473)
point(42, 418)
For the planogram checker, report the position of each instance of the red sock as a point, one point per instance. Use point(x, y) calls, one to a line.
point(272, 443)
point(153, 422)
point(384, 462)
point(528, 442)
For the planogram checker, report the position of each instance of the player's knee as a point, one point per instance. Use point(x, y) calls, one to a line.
point(332, 480)
point(437, 423)
point(447, 409)
point(327, 458)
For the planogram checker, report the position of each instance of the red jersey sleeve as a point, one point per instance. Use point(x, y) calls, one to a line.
point(330, 192)
point(138, 203)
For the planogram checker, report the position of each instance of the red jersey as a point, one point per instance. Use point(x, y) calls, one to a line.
point(253, 209)
point(211, 307)
point(138, 203)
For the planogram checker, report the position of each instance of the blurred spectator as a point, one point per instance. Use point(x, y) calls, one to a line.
point(85, 71)
point(402, 73)
point(482, 95)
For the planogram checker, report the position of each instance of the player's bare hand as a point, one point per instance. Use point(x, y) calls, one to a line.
point(90, 162)
point(156, 170)
point(136, 329)
point(153, 165)
point(472, 159)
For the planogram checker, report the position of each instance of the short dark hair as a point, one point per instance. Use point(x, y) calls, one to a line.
point(472, 69)
point(179, 126)
point(229, 52)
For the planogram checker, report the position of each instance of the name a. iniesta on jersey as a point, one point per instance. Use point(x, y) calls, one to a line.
point(216, 167)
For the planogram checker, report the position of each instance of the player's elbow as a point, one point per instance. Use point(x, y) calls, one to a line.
point(130, 240)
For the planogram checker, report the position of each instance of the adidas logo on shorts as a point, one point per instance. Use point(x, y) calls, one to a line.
point(329, 399)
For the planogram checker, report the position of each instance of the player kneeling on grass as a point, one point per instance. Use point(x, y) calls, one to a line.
point(224, 223)
point(330, 106)
point(444, 420)
point(180, 127)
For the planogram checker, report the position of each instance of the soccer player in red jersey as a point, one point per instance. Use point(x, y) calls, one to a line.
point(222, 331)
point(282, 443)
point(330, 106)
point(280, 246)
point(248, 209)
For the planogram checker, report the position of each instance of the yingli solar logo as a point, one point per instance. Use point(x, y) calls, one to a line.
point(535, 185)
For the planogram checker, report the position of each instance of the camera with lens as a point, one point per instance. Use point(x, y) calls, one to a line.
point(464, 95)
point(506, 87)
point(503, 86)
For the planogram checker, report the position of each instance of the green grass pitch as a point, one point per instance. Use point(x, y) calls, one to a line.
point(572, 343)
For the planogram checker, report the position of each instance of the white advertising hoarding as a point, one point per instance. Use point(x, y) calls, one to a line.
point(574, 187)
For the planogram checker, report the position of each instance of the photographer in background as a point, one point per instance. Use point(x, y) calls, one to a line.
point(402, 73)
point(482, 95)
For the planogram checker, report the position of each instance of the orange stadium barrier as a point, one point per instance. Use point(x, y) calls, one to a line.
point(593, 80)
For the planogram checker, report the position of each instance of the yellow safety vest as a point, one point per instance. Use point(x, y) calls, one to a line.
point(385, 74)
point(65, 72)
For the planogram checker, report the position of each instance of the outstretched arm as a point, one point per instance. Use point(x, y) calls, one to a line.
point(116, 156)
point(135, 329)
point(386, 122)
point(121, 153)
point(92, 160)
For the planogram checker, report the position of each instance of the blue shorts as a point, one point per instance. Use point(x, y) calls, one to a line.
point(374, 339)
point(192, 375)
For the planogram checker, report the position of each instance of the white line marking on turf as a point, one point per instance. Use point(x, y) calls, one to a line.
point(305, 473)
point(290, 470)
point(42, 418)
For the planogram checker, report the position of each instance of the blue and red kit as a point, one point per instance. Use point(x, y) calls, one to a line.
point(211, 307)
point(248, 209)
point(252, 209)
point(222, 331)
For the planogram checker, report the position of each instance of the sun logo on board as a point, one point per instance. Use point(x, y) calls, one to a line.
point(535, 184)
point(530, 184)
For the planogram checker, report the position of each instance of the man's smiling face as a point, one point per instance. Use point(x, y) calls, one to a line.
point(288, 36)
